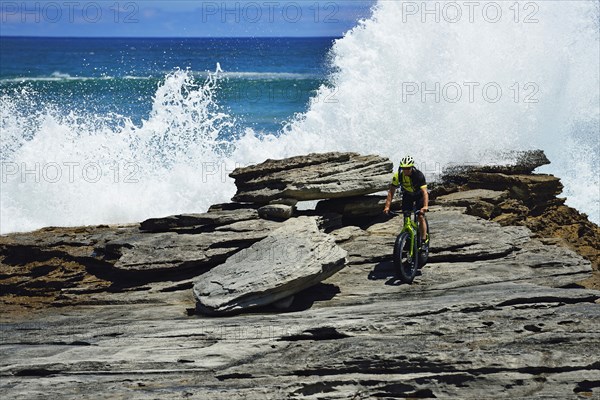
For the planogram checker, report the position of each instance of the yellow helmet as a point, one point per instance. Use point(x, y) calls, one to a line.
point(407, 162)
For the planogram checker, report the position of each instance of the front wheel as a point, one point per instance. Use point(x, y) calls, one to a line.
point(405, 264)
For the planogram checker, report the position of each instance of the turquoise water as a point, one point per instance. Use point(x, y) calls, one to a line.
point(264, 81)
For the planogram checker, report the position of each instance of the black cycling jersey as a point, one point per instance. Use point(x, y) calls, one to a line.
point(412, 184)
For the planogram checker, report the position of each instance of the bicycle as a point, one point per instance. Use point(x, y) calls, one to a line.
point(409, 254)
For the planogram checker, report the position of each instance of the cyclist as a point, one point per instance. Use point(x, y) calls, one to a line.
point(414, 192)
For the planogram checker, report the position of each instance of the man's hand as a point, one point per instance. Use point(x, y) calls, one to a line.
point(386, 209)
point(424, 210)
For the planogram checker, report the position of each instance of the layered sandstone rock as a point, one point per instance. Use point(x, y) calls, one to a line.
point(110, 312)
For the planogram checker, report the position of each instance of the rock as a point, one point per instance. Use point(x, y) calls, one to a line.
point(532, 262)
point(346, 233)
point(531, 200)
point(497, 309)
point(511, 212)
point(508, 219)
point(454, 236)
point(369, 249)
point(286, 201)
point(512, 162)
point(513, 206)
point(327, 221)
point(527, 161)
point(254, 225)
point(534, 192)
point(147, 255)
point(479, 202)
point(467, 197)
point(371, 245)
point(312, 177)
point(198, 222)
point(153, 255)
point(514, 179)
point(568, 224)
point(361, 206)
point(35, 267)
point(292, 258)
point(481, 209)
point(468, 341)
point(531, 189)
point(276, 212)
point(231, 207)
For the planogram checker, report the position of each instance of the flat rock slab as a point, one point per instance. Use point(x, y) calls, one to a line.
point(479, 342)
point(528, 188)
point(276, 212)
point(535, 262)
point(207, 220)
point(292, 258)
point(151, 253)
point(158, 252)
point(459, 237)
point(313, 177)
point(361, 206)
point(511, 162)
point(455, 237)
point(467, 197)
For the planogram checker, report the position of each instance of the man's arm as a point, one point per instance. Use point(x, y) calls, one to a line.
point(425, 199)
point(388, 200)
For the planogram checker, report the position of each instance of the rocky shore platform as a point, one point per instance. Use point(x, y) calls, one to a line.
point(264, 298)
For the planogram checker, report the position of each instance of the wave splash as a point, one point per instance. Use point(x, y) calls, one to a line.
point(63, 168)
point(444, 92)
point(449, 92)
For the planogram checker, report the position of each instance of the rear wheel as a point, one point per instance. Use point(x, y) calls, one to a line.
point(405, 265)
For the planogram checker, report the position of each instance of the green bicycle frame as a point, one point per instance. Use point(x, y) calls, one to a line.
point(410, 227)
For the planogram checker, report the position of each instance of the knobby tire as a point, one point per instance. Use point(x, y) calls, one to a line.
point(406, 267)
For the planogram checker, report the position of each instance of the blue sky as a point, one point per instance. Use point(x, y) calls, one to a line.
point(198, 18)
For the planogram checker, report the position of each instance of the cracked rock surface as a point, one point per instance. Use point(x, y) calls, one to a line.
point(481, 324)
point(109, 311)
point(312, 177)
point(293, 257)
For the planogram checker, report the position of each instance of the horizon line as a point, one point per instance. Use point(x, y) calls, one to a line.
point(165, 37)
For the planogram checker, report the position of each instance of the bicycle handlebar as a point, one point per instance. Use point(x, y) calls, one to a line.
point(416, 212)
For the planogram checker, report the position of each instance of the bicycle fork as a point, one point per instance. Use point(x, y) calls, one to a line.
point(412, 231)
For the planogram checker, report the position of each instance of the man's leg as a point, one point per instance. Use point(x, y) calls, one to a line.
point(422, 227)
point(422, 222)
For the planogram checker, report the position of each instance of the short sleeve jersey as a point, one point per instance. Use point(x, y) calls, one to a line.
point(412, 184)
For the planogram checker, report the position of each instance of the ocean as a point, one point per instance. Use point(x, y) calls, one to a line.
point(116, 130)
point(263, 83)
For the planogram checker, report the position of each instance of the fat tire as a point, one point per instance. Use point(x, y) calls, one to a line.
point(403, 264)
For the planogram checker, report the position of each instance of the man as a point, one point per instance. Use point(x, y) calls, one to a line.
point(414, 192)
